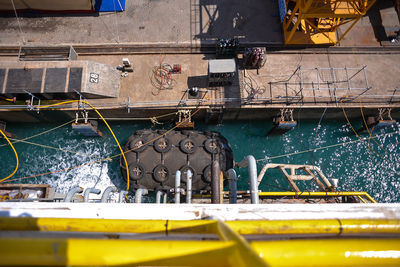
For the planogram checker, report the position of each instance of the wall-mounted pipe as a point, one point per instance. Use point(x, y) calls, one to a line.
point(177, 187)
point(232, 178)
point(89, 191)
point(71, 193)
point(250, 161)
point(122, 196)
point(139, 193)
point(215, 183)
point(189, 187)
point(107, 192)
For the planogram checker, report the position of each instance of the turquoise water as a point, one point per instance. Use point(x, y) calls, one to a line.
point(375, 170)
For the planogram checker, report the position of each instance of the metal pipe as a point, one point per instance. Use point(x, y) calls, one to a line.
point(232, 186)
point(189, 187)
point(215, 183)
point(165, 198)
point(88, 191)
point(250, 161)
point(158, 196)
point(139, 193)
point(122, 195)
point(177, 187)
point(106, 193)
point(71, 193)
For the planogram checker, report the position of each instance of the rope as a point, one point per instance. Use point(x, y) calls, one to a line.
point(39, 134)
point(104, 159)
point(324, 147)
point(370, 132)
point(161, 78)
point(49, 147)
point(355, 132)
point(16, 156)
point(105, 122)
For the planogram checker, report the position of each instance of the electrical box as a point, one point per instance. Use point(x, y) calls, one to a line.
point(221, 72)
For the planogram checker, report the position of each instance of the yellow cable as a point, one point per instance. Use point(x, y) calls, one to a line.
point(16, 156)
point(370, 133)
point(41, 133)
point(107, 158)
point(108, 126)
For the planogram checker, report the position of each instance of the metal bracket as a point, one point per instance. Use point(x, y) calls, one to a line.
point(85, 116)
point(31, 103)
point(80, 104)
point(286, 114)
point(185, 114)
point(382, 112)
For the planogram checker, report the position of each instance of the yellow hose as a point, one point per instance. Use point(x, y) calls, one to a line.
point(108, 126)
point(16, 156)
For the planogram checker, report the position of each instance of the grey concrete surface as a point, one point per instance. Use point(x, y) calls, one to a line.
point(149, 21)
point(180, 21)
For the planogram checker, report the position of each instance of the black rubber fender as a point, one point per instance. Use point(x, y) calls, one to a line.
point(136, 171)
point(161, 173)
point(188, 145)
point(162, 145)
point(184, 169)
point(212, 146)
point(206, 177)
point(134, 145)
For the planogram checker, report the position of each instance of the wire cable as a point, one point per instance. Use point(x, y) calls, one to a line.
point(324, 147)
point(370, 150)
point(370, 133)
point(16, 157)
point(39, 134)
point(105, 122)
point(103, 159)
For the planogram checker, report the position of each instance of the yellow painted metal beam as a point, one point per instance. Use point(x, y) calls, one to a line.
point(253, 227)
point(88, 252)
point(330, 252)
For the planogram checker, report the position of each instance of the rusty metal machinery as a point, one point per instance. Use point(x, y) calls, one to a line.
point(316, 21)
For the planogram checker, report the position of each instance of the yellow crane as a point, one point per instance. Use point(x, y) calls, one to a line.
point(316, 21)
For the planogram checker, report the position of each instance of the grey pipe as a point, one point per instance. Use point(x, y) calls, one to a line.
point(139, 193)
point(107, 192)
point(71, 193)
point(232, 186)
point(165, 198)
point(89, 191)
point(122, 195)
point(251, 162)
point(189, 187)
point(215, 183)
point(177, 187)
